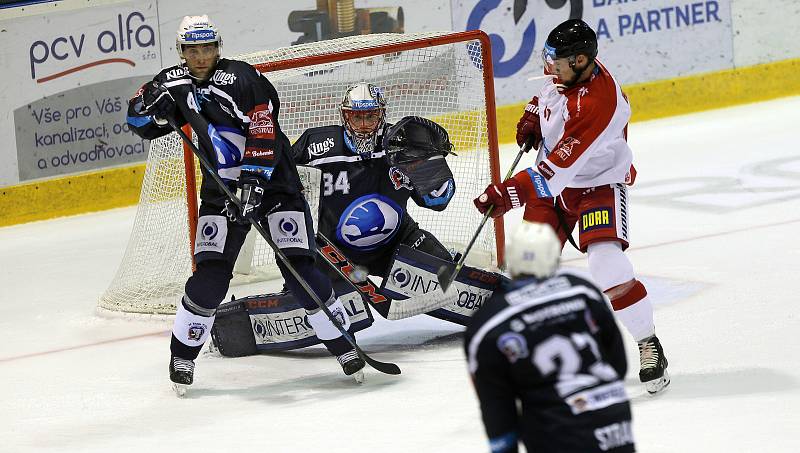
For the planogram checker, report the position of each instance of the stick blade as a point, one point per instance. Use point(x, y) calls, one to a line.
point(383, 367)
point(445, 275)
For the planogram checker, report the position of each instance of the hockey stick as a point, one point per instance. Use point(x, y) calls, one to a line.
point(562, 222)
point(383, 367)
point(342, 265)
point(447, 273)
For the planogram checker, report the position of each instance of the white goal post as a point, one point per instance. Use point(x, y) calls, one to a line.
point(444, 76)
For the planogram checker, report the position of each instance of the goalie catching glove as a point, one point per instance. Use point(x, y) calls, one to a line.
point(418, 146)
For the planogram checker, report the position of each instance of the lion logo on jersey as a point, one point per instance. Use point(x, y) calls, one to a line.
point(399, 179)
point(369, 222)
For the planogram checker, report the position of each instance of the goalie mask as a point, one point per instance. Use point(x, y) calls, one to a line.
point(195, 30)
point(363, 112)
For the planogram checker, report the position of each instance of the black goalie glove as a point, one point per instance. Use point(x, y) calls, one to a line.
point(157, 101)
point(418, 146)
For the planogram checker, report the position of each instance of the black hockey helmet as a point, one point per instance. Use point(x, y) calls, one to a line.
point(570, 38)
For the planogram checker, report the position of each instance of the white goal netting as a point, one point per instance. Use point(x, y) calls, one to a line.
point(436, 75)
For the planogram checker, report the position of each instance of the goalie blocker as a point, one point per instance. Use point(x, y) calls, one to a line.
point(276, 322)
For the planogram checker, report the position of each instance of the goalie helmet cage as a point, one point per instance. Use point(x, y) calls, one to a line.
point(444, 76)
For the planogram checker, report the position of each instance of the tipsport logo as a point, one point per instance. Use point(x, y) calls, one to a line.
point(70, 52)
point(520, 31)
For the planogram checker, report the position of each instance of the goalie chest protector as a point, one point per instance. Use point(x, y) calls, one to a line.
point(352, 184)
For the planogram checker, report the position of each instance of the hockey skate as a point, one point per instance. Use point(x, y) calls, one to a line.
point(181, 373)
point(352, 365)
point(653, 365)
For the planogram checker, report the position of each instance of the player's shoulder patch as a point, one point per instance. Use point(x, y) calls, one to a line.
point(173, 73)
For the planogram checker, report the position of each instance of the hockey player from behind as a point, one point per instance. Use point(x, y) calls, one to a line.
point(579, 122)
point(370, 170)
point(546, 357)
point(234, 111)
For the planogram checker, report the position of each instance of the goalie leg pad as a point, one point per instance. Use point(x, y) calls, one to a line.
point(275, 322)
point(413, 286)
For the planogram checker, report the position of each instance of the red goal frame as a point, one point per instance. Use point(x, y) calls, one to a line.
point(491, 115)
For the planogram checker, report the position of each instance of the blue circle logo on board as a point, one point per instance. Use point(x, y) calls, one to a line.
point(369, 222)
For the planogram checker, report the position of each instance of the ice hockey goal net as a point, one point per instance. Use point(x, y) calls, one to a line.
point(446, 77)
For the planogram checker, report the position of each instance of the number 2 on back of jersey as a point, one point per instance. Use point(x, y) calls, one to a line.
point(563, 355)
point(341, 184)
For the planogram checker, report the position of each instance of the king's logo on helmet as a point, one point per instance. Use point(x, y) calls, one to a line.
point(369, 222)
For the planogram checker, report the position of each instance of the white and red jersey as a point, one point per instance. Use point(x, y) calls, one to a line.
point(584, 137)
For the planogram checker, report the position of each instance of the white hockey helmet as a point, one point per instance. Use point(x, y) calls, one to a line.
point(196, 30)
point(363, 113)
point(534, 250)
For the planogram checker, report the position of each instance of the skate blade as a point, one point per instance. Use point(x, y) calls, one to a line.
point(358, 376)
point(657, 385)
point(180, 389)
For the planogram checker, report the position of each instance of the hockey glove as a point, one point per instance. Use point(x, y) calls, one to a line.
point(504, 197)
point(157, 101)
point(528, 125)
point(233, 213)
point(252, 196)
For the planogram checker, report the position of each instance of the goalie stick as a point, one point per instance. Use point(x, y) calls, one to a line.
point(383, 367)
point(447, 273)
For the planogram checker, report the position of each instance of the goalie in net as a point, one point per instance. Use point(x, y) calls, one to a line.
point(370, 169)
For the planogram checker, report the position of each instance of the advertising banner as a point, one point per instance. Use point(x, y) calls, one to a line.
point(638, 40)
point(66, 84)
point(71, 69)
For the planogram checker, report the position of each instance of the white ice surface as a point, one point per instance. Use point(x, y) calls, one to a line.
point(714, 217)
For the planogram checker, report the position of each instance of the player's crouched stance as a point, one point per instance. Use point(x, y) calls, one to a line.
point(234, 112)
point(548, 340)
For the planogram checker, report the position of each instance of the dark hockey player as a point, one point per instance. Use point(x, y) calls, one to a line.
point(370, 171)
point(546, 357)
point(234, 112)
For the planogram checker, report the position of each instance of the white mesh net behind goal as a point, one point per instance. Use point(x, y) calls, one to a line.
point(443, 82)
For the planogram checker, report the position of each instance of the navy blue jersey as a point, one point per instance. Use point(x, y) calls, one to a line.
point(235, 116)
point(554, 348)
point(363, 200)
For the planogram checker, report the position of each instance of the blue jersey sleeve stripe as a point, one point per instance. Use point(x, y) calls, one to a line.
point(139, 121)
point(444, 198)
point(539, 184)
